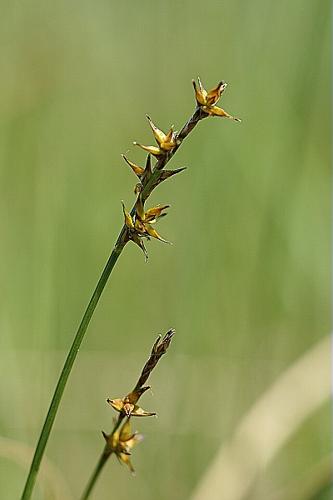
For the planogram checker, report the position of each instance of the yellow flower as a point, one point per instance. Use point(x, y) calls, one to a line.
point(121, 443)
point(207, 100)
point(141, 225)
point(128, 405)
point(166, 142)
point(144, 220)
point(129, 409)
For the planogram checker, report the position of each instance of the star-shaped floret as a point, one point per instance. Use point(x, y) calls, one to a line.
point(128, 405)
point(121, 443)
point(141, 225)
point(166, 142)
point(207, 100)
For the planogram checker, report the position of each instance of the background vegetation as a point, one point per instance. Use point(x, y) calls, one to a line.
point(247, 282)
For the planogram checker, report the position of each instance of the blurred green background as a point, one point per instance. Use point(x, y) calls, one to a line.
point(246, 283)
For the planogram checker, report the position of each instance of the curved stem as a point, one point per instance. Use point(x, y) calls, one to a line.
point(100, 464)
point(92, 481)
point(51, 414)
point(197, 116)
point(67, 368)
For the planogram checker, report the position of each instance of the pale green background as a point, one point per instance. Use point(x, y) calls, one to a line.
point(246, 283)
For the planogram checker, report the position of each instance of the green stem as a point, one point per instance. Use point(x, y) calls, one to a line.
point(121, 242)
point(51, 414)
point(101, 462)
point(107, 452)
point(146, 191)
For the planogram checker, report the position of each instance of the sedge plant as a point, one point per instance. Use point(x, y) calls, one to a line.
point(139, 225)
point(121, 440)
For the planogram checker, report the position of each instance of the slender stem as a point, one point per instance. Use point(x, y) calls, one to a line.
point(100, 464)
point(121, 242)
point(51, 414)
point(185, 131)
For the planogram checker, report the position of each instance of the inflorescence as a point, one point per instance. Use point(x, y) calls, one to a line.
point(122, 439)
point(139, 225)
point(140, 222)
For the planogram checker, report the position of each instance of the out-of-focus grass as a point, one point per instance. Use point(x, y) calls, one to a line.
point(246, 283)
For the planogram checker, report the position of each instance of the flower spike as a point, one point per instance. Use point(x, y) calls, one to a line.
point(122, 439)
point(121, 443)
point(166, 142)
point(141, 224)
point(132, 233)
point(126, 407)
point(207, 100)
point(144, 219)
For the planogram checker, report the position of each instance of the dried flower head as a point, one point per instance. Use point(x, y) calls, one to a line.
point(121, 443)
point(207, 100)
point(166, 142)
point(159, 348)
point(141, 226)
point(128, 408)
point(128, 405)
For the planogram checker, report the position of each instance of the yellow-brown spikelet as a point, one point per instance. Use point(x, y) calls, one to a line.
point(207, 100)
point(166, 142)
